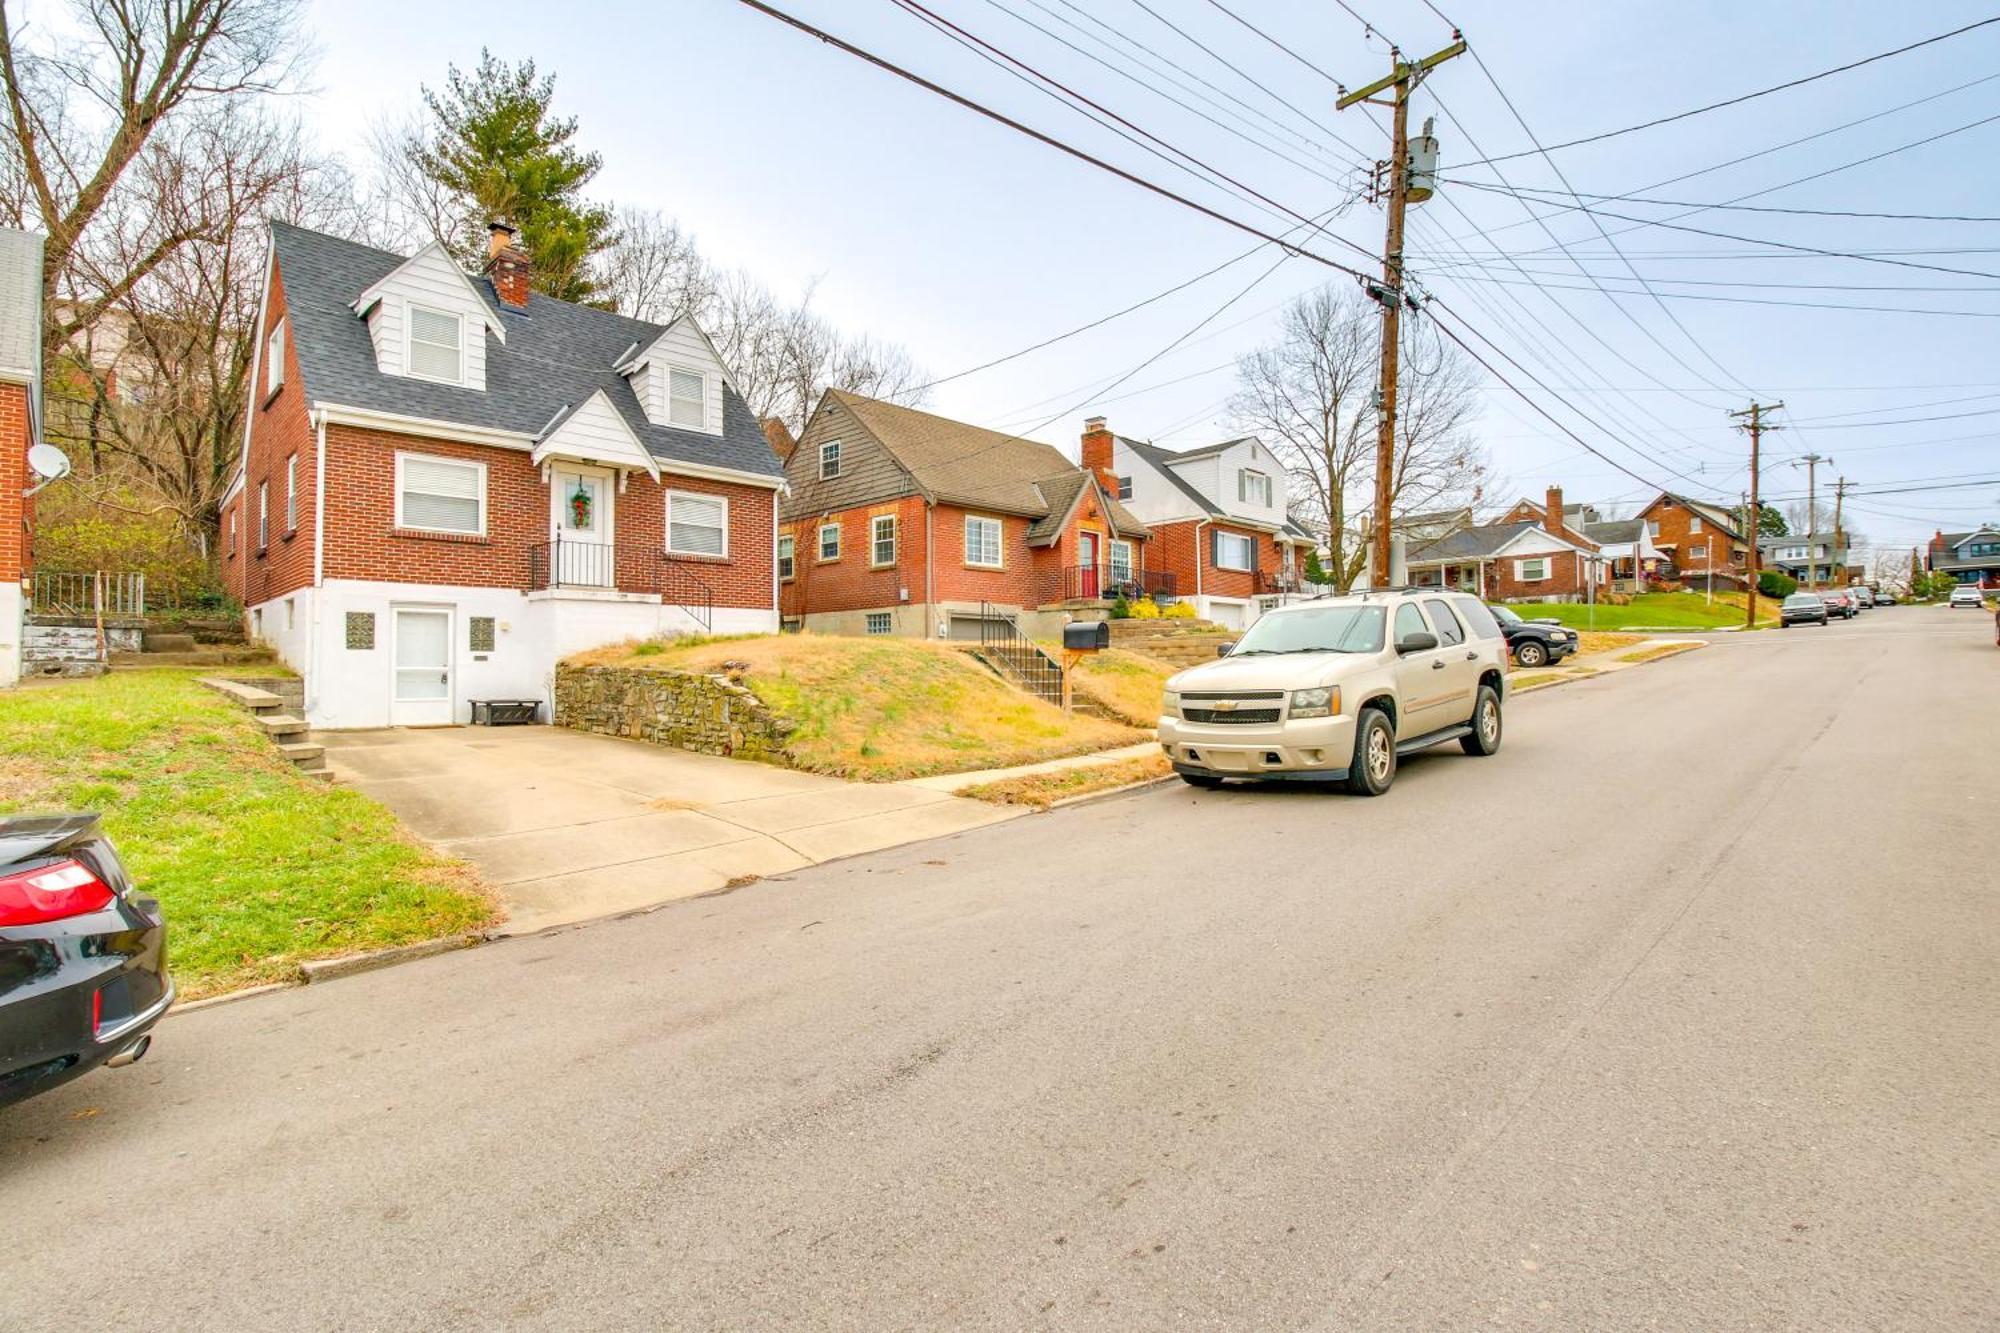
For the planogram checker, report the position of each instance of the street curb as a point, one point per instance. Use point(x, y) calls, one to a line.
point(1141, 785)
point(332, 969)
point(1601, 672)
point(230, 997)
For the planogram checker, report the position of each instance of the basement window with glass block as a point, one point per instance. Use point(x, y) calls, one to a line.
point(360, 629)
point(481, 631)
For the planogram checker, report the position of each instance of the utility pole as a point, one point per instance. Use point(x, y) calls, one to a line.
point(1755, 425)
point(1812, 462)
point(1403, 76)
point(1839, 494)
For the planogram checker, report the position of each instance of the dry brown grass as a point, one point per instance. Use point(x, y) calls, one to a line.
point(1602, 642)
point(1659, 650)
point(880, 709)
point(1127, 684)
point(1042, 790)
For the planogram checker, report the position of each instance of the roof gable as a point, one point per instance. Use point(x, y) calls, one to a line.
point(596, 432)
point(956, 461)
point(431, 265)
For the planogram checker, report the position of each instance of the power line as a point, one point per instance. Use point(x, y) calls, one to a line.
point(1275, 42)
point(1747, 300)
point(1745, 97)
point(1768, 208)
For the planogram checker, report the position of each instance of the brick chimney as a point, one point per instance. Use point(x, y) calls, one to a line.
point(1097, 454)
point(780, 436)
point(1552, 512)
point(507, 264)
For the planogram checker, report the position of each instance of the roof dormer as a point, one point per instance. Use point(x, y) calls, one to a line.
point(429, 322)
point(678, 379)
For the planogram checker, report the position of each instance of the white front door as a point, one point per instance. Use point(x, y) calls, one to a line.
point(580, 528)
point(420, 693)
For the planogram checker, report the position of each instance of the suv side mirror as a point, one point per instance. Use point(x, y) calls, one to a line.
point(1224, 648)
point(1420, 642)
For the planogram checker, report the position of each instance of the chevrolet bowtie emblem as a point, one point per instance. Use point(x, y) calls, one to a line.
point(1225, 705)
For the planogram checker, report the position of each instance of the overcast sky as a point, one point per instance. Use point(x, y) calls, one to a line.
point(924, 224)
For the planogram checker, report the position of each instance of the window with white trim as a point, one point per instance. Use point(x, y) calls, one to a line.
point(1652, 527)
point(829, 542)
point(437, 345)
point(440, 494)
point(263, 514)
point(1698, 552)
point(697, 524)
point(1253, 487)
point(1121, 562)
point(982, 542)
point(274, 359)
point(232, 532)
point(687, 398)
point(1233, 550)
point(829, 460)
point(880, 622)
point(1694, 525)
point(788, 565)
point(1535, 569)
point(882, 540)
point(1124, 488)
point(291, 493)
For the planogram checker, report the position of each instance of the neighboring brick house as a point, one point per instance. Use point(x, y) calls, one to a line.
point(904, 522)
point(1970, 557)
point(1704, 542)
point(20, 430)
point(1218, 517)
point(1524, 557)
point(448, 482)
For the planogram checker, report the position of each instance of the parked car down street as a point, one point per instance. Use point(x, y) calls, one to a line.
point(1336, 689)
point(1862, 597)
point(83, 964)
point(1534, 642)
point(1802, 608)
point(1839, 603)
point(1965, 594)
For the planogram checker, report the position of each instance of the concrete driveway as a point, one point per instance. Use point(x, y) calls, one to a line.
point(569, 827)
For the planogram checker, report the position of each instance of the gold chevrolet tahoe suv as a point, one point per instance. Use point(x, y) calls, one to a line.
point(1338, 687)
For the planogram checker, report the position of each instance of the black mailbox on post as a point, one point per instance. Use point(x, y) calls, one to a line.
point(1086, 636)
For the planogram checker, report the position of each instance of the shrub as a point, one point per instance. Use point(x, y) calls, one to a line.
point(650, 648)
point(73, 534)
point(1667, 585)
point(1121, 609)
point(1179, 611)
point(1145, 609)
point(1776, 584)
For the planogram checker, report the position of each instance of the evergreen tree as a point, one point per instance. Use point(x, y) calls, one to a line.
point(1771, 523)
point(496, 147)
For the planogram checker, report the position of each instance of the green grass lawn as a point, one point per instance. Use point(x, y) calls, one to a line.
point(1652, 610)
point(256, 867)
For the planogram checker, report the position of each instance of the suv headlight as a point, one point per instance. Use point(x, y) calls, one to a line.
point(1170, 703)
point(1321, 702)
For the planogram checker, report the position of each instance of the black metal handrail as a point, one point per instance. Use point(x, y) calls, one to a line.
point(568, 563)
point(1015, 654)
point(1084, 583)
point(680, 587)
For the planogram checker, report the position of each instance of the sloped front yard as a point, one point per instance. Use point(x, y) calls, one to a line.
point(882, 709)
point(258, 869)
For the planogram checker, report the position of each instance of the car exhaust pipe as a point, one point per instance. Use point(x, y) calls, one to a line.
point(132, 1054)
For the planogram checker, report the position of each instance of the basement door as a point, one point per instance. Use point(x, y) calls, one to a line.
point(420, 692)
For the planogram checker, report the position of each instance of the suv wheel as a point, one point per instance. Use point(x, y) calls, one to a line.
point(1531, 654)
point(1485, 737)
point(1373, 767)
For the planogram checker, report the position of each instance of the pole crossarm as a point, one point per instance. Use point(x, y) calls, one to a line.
point(1400, 71)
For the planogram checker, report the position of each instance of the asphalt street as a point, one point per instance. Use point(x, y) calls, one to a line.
point(1682, 1012)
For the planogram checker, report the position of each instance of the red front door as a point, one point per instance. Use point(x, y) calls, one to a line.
point(1086, 559)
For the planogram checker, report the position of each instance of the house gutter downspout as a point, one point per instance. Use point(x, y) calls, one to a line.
point(1197, 555)
point(930, 568)
point(319, 561)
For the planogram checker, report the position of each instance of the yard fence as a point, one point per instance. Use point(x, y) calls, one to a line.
point(88, 593)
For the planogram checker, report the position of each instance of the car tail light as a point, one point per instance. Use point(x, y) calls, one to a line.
point(50, 893)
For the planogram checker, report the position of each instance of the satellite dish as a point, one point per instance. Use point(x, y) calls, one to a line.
point(48, 462)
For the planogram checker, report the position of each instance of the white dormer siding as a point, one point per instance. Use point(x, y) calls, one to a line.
point(429, 281)
point(596, 433)
point(665, 374)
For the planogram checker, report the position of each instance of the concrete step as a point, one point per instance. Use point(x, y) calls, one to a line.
point(249, 696)
point(304, 754)
point(159, 641)
point(197, 657)
point(279, 725)
point(320, 774)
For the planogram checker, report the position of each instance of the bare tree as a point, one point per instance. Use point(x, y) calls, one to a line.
point(1310, 397)
point(654, 271)
point(84, 113)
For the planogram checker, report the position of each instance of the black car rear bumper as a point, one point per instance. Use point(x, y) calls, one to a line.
point(79, 993)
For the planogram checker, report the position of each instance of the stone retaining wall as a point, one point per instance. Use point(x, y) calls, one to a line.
point(706, 714)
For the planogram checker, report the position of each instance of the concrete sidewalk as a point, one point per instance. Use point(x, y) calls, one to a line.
point(569, 827)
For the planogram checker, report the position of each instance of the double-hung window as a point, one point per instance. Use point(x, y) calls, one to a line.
point(437, 345)
point(263, 514)
point(291, 493)
point(1532, 571)
point(687, 398)
point(882, 540)
point(829, 542)
point(1694, 525)
point(1121, 562)
point(697, 524)
point(274, 359)
point(1124, 488)
point(829, 460)
point(1253, 487)
point(1233, 550)
point(788, 565)
point(440, 494)
point(1652, 527)
point(1698, 552)
point(982, 542)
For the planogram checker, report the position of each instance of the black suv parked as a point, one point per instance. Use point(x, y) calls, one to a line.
point(1535, 642)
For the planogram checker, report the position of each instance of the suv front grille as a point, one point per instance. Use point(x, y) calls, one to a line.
point(1197, 714)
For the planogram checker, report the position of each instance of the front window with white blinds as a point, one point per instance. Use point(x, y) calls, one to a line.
point(687, 397)
point(440, 494)
point(697, 524)
point(436, 344)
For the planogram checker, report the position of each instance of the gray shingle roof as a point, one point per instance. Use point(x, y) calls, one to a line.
point(1161, 460)
point(1613, 531)
point(556, 355)
point(1472, 543)
point(20, 304)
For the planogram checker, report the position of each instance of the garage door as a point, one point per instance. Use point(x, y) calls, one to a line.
point(1229, 615)
point(965, 629)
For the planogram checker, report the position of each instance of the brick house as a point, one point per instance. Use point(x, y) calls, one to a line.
point(20, 430)
point(1526, 556)
point(1703, 542)
point(1218, 517)
point(904, 522)
point(449, 482)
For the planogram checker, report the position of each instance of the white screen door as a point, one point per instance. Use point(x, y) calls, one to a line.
point(582, 528)
point(421, 692)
